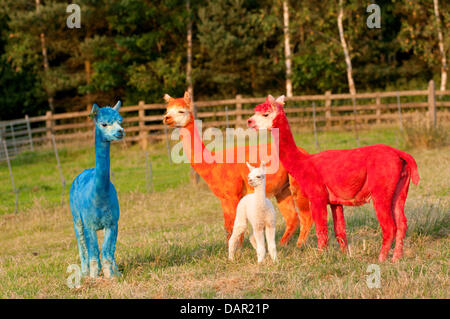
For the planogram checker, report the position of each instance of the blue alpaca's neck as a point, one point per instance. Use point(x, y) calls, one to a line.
point(102, 164)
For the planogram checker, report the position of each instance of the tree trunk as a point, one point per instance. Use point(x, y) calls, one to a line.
point(351, 83)
point(46, 66)
point(195, 178)
point(87, 71)
point(287, 49)
point(189, 57)
point(441, 46)
point(348, 61)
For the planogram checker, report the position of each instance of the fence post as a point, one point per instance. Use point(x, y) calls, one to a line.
point(378, 112)
point(13, 135)
point(226, 116)
point(63, 181)
point(328, 109)
point(167, 143)
point(315, 127)
point(16, 191)
point(149, 173)
point(355, 124)
point(49, 125)
point(30, 135)
point(432, 104)
point(238, 110)
point(399, 107)
point(142, 132)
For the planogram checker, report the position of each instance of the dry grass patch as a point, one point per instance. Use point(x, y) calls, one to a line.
point(172, 245)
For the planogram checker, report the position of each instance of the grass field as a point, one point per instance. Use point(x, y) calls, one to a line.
point(172, 242)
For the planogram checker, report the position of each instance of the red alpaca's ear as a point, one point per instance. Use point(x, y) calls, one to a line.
point(280, 99)
point(272, 102)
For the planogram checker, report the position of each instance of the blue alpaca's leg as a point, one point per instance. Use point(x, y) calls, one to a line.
point(82, 248)
point(93, 252)
point(108, 248)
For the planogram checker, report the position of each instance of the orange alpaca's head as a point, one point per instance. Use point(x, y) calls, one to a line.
point(178, 111)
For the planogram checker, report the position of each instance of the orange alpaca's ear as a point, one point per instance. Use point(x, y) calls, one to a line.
point(167, 98)
point(187, 99)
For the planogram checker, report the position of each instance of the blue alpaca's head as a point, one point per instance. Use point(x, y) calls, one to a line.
point(107, 121)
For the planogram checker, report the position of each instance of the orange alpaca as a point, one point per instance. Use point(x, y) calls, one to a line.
point(228, 181)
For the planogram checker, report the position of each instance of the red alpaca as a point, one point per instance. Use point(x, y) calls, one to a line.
point(229, 182)
point(345, 177)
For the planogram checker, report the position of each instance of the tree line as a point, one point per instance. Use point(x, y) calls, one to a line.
point(138, 50)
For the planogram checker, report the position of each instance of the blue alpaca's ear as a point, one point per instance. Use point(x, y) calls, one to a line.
point(118, 105)
point(94, 111)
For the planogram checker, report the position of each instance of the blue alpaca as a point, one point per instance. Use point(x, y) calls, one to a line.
point(93, 198)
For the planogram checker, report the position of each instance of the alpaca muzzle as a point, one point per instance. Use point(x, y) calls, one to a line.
point(251, 123)
point(167, 119)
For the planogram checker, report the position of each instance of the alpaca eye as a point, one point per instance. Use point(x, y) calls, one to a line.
point(181, 112)
point(266, 114)
point(104, 124)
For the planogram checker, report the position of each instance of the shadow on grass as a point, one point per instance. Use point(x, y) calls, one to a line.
point(429, 220)
point(423, 219)
point(165, 256)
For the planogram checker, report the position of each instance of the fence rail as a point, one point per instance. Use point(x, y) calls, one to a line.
point(144, 121)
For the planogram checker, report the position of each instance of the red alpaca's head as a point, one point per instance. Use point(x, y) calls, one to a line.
point(266, 114)
point(178, 111)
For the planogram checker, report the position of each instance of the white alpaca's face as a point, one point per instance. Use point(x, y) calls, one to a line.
point(257, 176)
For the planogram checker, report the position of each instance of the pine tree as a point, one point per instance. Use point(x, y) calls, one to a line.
point(241, 45)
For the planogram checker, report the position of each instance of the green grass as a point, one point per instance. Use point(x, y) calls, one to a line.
point(36, 174)
point(172, 242)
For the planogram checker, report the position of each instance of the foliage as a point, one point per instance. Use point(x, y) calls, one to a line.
point(136, 50)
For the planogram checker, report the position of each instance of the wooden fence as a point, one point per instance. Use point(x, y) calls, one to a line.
point(144, 121)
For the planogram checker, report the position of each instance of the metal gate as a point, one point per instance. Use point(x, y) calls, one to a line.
point(17, 136)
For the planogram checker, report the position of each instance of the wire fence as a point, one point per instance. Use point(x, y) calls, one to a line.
point(152, 171)
point(44, 173)
point(143, 122)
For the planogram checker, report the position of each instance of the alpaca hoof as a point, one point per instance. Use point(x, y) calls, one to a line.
point(396, 257)
point(284, 242)
point(382, 257)
point(110, 270)
point(252, 241)
point(112, 274)
point(300, 243)
point(93, 269)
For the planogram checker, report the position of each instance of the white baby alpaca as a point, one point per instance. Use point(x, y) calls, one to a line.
point(260, 212)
